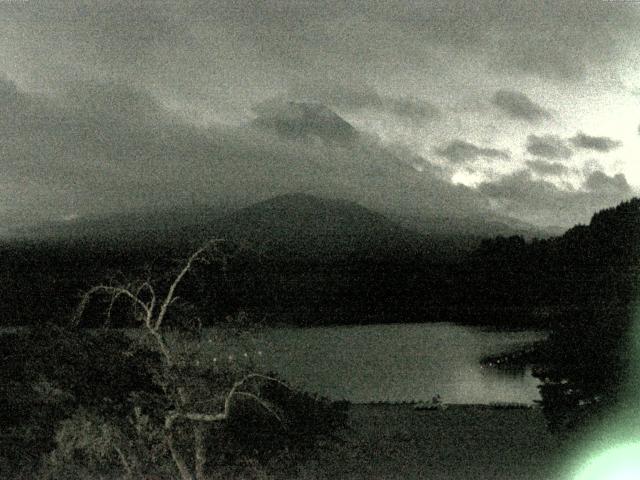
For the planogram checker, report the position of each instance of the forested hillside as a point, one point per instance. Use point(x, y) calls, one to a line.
point(322, 262)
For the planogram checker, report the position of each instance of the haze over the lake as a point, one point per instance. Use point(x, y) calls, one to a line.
point(522, 109)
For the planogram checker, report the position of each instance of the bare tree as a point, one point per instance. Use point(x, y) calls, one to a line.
point(150, 310)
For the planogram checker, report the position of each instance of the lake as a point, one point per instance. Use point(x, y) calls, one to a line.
point(394, 363)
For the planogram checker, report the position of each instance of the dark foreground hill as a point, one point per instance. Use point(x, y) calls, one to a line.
point(310, 260)
point(293, 253)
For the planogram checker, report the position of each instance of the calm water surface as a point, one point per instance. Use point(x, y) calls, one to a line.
point(403, 362)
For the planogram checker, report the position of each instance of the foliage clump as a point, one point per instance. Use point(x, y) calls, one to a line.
point(139, 403)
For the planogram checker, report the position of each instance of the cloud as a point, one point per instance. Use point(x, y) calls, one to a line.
point(337, 94)
point(411, 108)
point(600, 181)
point(302, 120)
point(547, 168)
point(113, 100)
point(600, 144)
point(542, 202)
point(362, 97)
point(518, 187)
point(550, 39)
point(105, 147)
point(518, 105)
point(8, 91)
point(408, 156)
point(548, 146)
point(222, 57)
point(458, 151)
point(102, 148)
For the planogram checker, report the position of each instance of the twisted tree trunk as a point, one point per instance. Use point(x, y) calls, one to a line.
point(185, 473)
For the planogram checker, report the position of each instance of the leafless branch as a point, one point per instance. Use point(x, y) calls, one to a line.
point(125, 463)
point(260, 376)
point(147, 286)
point(262, 403)
point(224, 415)
point(115, 293)
point(169, 298)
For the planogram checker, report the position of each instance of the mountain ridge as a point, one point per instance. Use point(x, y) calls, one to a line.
point(316, 216)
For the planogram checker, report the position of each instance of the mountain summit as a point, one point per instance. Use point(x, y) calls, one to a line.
point(304, 120)
point(306, 226)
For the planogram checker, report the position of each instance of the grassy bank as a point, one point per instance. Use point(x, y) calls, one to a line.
point(461, 442)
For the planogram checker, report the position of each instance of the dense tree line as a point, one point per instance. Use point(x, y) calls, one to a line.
point(589, 276)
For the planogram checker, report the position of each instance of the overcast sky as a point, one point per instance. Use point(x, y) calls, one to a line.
point(524, 108)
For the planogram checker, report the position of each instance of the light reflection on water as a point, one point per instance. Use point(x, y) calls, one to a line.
point(400, 362)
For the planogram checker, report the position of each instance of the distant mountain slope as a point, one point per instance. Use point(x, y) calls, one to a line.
point(291, 225)
point(468, 230)
point(169, 225)
point(303, 225)
point(295, 224)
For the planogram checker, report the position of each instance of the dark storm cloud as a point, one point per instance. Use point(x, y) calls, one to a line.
point(411, 108)
point(113, 31)
point(600, 144)
point(458, 151)
point(538, 200)
point(103, 147)
point(8, 91)
point(547, 168)
point(548, 146)
point(600, 181)
point(520, 187)
point(362, 97)
point(338, 95)
point(406, 155)
point(223, 53)
point(518, 105)
point(97, 147)
point(118, 139)
point(547, 38)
